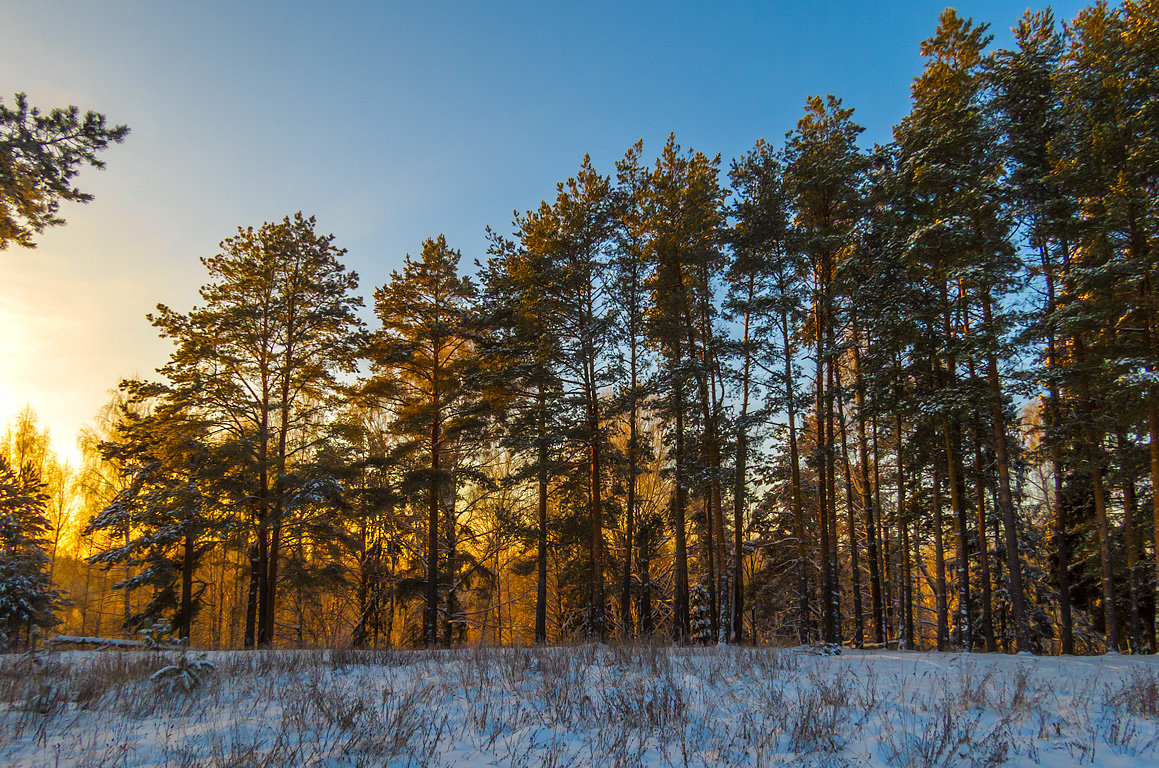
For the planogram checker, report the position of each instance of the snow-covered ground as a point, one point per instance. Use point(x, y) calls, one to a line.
point(581, 706)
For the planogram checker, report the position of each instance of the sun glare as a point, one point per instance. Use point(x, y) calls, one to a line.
point(9, 403)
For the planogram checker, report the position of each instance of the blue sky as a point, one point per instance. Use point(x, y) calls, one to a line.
point(390, 122)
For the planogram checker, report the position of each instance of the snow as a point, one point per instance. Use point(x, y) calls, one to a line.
point(579, 706)
point(110, 642)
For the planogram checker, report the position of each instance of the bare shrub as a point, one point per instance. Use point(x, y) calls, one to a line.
point(1138, 694)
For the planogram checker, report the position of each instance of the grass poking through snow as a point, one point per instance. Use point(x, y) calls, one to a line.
point(629, 706)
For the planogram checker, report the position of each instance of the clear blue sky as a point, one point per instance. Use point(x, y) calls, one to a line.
point(390, 122)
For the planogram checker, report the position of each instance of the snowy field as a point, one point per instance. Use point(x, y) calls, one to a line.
point(582, 706)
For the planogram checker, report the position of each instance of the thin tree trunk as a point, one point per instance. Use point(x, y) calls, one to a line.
point(983, 549)
point(854, 557)
point(1153, 437)
point(830, 459)
point(645, 571)
point(958, 505)
point(951, 434)
point(1130, 535)
point(888, 541)
point(599, 623)
point(907, 596)
point(738, 538)
point(804, 619)
point(630, 511)
point(1150, 316)
point(185, 624)
point(251, 606)
point(875, 591)
point(681, 623)
point(738, 495)
point(940, 564)
point(431, 636)
point(541, 528)
point(1104, 531)
point(827, 586)
point(498, 600)
point(1060, 533)
point(713, 517)
point(263, 518)
point(451, 616)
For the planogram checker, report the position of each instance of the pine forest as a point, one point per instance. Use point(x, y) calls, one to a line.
point(903, 396)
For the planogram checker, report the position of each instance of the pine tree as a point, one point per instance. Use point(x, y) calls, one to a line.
point(1028, 104)
point(629, 269)
point(174, 495)
point(520, 357)
point(824, 174)
point(377, 523)
point(40, 155)
point(573, 234)
point(424, 358)
point(963, 236)
point(684, 224)
point(762, 296)
point(28, 600)
point(260, 360)
point(1106, 153)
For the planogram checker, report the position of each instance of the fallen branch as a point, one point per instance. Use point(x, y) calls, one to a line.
point(109, 642)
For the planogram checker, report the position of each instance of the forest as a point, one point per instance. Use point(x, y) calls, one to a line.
point(904, 396)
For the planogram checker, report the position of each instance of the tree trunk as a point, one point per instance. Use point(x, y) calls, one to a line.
point(645, 571)
point(1130, 536)
point(804, 633)
point(630, 511)
point(452, 621)
point(875, 591)
point(598, 625)
point(597, 620)
point(830, 460)
point(541, 529)
point(1060, 533)
point(1153, 436)
point(828, 623)
point(251, 606)
point(951, 435)
point(1108, 583)
point(957, 503)
point(940, 564)
point(854, 557)
point(680, 622)
point(983, 548)
point(431, 637)
point(827, 586)
point(738, 534)
point(185, 612)
point(263, 518)
point(739, 500)
point(907, 596)
point(713, 516)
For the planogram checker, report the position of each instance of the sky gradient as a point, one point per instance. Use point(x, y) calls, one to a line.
point(390, 122)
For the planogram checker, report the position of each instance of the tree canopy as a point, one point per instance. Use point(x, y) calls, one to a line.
point(40, 156)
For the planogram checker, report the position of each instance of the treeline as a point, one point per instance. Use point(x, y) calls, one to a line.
point(905, 396)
